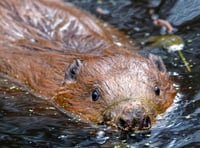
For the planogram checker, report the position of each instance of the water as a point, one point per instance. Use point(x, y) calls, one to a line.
point(28, 121)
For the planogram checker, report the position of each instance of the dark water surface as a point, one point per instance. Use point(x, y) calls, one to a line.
point(28, 121)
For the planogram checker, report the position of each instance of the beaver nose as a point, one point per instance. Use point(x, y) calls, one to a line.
point(134, 124)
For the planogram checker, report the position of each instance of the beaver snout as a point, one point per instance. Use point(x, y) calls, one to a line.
point(134, 124)
point(134, 120)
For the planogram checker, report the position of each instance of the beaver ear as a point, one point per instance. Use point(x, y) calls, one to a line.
point(158, 62)
point(72, 70)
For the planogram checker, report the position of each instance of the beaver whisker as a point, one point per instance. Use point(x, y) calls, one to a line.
point(115, 103)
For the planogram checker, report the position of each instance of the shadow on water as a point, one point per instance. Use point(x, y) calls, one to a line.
point(27, 121)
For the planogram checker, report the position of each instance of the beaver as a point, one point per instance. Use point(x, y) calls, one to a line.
point(64, 54)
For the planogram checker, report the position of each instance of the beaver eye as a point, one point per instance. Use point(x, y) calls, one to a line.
point(95, 95)
point(157, 90)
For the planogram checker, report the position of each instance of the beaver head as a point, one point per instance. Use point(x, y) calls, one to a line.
point(123, 90)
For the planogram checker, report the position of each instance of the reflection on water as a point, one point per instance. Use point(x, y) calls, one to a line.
point(28, 121)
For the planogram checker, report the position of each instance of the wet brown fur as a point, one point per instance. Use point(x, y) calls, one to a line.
point(39, 39)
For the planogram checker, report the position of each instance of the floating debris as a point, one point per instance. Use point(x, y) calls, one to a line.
point(170, 42)
point(184, 61)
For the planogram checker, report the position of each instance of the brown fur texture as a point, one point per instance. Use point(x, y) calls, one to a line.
point(64, 54)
